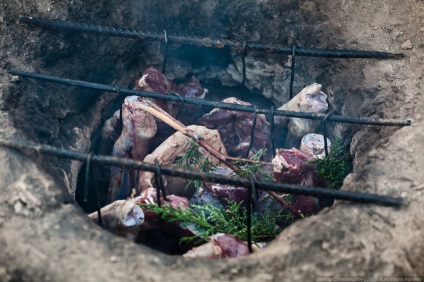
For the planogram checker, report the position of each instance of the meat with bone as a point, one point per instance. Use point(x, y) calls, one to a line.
point(153, 80)
point(296, 167)
point(174, 147)
point(192, 89)
point(235, 129)
point(139, 127)
point(122, 218)
point(313, 144)
point(190, 114)
point(220, 246)
point(310, 100)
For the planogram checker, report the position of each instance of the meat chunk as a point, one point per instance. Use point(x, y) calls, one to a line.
point(190, 114)
point(220, 246)
point(153, 80)
point(122, 218)
point(235, 129)
point(192, 89)
point(139, 127)
point(296, 167)
point(174, 147)
point(310, 100)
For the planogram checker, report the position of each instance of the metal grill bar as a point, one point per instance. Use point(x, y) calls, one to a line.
point(212, 104)
point(236, 181)
point(204, 41)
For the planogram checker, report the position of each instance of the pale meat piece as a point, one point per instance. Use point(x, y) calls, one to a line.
point(174, 147)
point(235, 128)
point(111, 128)
point(123, 218)
point(310, 100)
point(313, 144)
point(139, 127)
point(220, 246)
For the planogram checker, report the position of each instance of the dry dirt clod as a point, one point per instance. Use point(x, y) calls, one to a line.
point(407, 45)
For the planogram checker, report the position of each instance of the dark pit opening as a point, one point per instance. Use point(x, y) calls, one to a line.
point(99, 178)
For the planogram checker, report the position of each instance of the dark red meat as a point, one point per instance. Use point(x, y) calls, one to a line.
point(235, 129)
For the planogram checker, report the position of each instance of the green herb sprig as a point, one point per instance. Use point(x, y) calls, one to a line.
point(209, 219)
point(336, 166)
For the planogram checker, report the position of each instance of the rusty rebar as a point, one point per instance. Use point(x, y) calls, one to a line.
point(212, 104)
point(208, 177)
point(203, 41)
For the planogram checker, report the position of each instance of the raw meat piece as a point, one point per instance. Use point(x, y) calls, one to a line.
point(153, 80)
point(192, 89)
point(225, 193)
point(122, 218)
point(307, 205)
point(190, 114)
point(220, 246)
point(139, 127)
point(310, 100)
point(313, 144)
point(235, 129)
point(294, 167)
point(175, 146)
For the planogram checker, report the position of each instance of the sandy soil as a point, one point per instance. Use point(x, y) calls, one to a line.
point(46, 237)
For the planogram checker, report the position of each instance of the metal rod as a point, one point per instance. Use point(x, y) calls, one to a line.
point(97, 193)
point(252, 133)
point(203, 41)
point(293, 68)
point(236, 181)
point(87, 175)
point(243, 62)
point(249, 214)
point(122, 101)
point(324, 131)
point(159, 182)
point(165, 56)
point(180, 109)
point(271, 128)
point(206, 103)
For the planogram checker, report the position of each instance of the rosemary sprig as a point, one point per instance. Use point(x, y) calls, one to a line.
point(193, 158)
point(336, 166)
point(250, 169)
point(209, 219)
